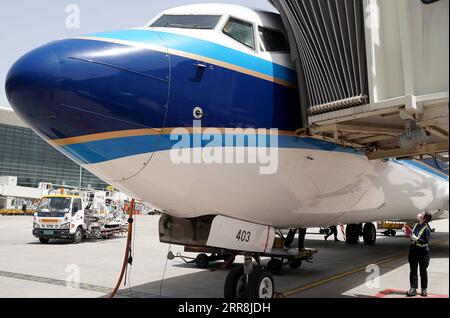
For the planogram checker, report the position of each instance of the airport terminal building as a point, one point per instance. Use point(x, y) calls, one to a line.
point(24, 155)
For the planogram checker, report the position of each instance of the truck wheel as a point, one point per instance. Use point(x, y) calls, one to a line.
point(44, 240)
point(275, 266)
point(369, 234)
point(202, 261)
point(295, 263)
point(235, 283)
point(78, 236)
point(260, 285)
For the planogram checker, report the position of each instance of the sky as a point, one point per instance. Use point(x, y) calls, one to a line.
point(27, 24)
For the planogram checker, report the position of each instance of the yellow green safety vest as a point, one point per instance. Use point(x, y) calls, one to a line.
point(419, 235)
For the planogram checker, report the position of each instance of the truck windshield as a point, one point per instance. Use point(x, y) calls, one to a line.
point(52, 205)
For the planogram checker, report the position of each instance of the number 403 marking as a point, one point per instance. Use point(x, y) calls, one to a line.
point(244, 236)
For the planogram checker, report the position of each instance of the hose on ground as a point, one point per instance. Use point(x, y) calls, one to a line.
point(126, 259)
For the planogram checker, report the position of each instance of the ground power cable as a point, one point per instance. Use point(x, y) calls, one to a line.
point(127, 257)
point(128, 278)
point(169, 249)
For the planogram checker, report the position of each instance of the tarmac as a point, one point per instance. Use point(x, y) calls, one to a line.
point(91, 269)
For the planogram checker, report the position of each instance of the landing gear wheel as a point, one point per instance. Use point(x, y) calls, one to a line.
point(202, 261)
point(235, 283)
point(369, 234)
point(44, 240)
point(352, 234)
point(295, 263)
point(260, 285)
point(78, 236)
point(275, 266)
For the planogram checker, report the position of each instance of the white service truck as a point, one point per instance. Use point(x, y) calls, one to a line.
point(64, 216)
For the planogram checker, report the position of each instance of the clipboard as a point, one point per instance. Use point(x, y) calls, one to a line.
point(407, 230)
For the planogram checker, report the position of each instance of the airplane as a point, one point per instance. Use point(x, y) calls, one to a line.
point(149, 110)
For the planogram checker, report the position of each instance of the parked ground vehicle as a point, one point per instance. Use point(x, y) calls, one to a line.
point(390, 227)
point(73, 217)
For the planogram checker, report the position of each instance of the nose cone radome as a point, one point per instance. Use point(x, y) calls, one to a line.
point(78, 87)
point(28, 84)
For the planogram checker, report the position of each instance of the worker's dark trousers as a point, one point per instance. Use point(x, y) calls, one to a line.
point(333, 231)
point(418, 257)
point(301, 238)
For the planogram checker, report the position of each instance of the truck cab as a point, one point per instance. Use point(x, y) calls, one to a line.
point(59, 217)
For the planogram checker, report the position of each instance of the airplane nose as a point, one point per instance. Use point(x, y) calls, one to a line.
point(78, 87)
point(28, 88)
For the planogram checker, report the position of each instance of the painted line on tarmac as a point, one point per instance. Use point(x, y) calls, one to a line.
point(338, 276)
point(348, 273)
point(69, 284)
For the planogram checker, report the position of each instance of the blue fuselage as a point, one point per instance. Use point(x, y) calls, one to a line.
point(134, 81)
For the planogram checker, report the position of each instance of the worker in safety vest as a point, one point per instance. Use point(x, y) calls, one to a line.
point(419, 254)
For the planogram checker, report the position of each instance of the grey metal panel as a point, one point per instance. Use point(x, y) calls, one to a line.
point(328, 46)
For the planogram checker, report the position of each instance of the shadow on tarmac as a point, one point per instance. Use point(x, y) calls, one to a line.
point(333, 259)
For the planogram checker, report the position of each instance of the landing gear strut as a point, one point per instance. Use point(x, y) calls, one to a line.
point(249, 281)
point(352, 233)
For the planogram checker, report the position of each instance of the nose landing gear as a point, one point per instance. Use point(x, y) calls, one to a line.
point(249, 281)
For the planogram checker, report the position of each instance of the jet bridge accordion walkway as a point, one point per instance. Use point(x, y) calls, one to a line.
point(373, 74)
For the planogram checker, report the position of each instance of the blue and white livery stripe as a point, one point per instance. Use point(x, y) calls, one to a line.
point(202, 49)
point(424, 168)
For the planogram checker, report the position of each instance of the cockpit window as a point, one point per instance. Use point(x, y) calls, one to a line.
point(240, 31)
point(273, 41)
point(206, 22)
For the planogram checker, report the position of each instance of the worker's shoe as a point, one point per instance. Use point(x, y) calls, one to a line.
point(326, 238)
point(412, 292)
point(424, 292)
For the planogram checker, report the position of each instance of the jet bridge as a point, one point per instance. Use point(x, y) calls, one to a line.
point(373, 74)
